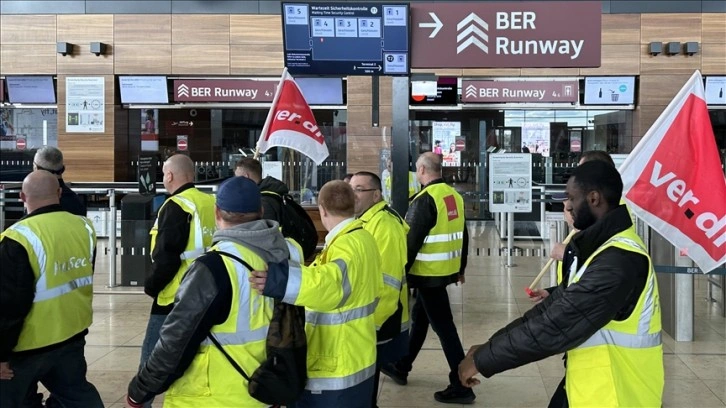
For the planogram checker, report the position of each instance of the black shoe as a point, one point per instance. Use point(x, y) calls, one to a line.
point(455, 395)
point(398, 376)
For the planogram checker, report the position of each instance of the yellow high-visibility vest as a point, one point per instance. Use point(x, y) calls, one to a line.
point(60, 250)
point(621, 365)
point(200, 207)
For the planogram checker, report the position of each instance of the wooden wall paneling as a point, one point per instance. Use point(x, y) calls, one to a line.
point(256, 59)
point(385, 94)
point(547, 72)
point(142, 59)
point(255, 29)
point(89, 156)
point(670, 27)
point(617, 60)
point(646, 116)
point(714, 28)
point(620, 28)
point(16, 59)
point(81, 30)
point(359, 88)
point(142, 29)
point(210, 59)
point(491, 72)
point(668, 64)
point(212, 29)
point(27, 29)
point(438, 71)
point(659, 90)
point(713, 57)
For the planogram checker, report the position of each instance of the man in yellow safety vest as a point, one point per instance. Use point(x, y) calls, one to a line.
point(606, 317)
point(46, 290)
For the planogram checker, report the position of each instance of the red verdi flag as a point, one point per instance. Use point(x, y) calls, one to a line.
point(673, 179)
point(291, 123)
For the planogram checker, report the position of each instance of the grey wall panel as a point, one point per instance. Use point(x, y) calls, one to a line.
point(270, 7)
point(42, 7)
point(128, 7)
point(714, 6)
point(641, 6)
point(214, 7)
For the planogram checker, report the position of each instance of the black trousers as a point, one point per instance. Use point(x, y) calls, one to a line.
point(559, 398)
point(432, 308)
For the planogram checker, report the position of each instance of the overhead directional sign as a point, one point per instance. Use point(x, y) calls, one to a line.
point(346, 38)
point(506, 34)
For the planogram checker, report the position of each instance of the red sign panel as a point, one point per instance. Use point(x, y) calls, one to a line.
point(20, 144)
point(2, 90)
point(224, 90)
point(182, 143)
point(474, 91)
point(506, 35)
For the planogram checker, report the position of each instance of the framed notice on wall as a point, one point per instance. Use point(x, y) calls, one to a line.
point(85, 105)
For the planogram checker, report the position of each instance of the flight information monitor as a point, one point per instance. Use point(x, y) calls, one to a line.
point(346, 38)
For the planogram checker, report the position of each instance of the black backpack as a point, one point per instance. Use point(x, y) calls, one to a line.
point(281, 378)
point(296, 223)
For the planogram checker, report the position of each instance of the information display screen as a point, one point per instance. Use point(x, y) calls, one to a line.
point(610, 90)
point(30, 89)
point(346, 38)
point(143, 89)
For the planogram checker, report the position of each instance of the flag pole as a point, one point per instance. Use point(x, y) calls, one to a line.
point(266, 127)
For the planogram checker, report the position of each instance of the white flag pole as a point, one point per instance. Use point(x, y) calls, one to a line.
point(266, 127)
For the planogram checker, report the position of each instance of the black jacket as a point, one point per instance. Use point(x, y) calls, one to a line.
point(421, 217)
point(271, 204)
point(608, 290)
point(204, 300)
point(171, 241)
point(17, 291)
point(70, 201)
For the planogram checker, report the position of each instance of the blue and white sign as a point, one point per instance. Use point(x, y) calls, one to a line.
point(346, 38)
point(610, 90)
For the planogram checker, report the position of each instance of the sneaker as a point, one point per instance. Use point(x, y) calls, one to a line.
point(455, 395)
point(398, 376)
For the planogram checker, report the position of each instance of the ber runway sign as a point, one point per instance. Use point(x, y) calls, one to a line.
point(503, 35)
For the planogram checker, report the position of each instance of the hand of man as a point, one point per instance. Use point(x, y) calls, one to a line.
point(6, 373)
point(538, 295)
point(467, 371)
point(258, 280)
point(462, 279)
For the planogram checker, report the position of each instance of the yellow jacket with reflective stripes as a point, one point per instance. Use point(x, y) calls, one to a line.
point(339, 290)
point(440, 254)
point(389, 231)
point(200, 207)
point(621, 365)
point(413, 186)
point(60, 249)
point(210, 380)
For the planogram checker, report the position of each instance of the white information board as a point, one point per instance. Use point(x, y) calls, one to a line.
point(85, 104)
point(510, 182)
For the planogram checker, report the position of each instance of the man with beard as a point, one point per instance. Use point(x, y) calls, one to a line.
point(606, 317)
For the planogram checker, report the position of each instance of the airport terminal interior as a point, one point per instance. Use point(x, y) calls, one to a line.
point(119, 86)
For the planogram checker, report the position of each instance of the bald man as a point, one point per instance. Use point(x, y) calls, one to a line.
point(50, 158)
point(182, 231)
point(46, 289)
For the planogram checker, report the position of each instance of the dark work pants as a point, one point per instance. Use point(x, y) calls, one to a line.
point(389, 352)
point(432, 307)
point(62, 371)
point(559, 398)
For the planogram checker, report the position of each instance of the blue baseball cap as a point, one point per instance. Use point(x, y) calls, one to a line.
point(239, 195)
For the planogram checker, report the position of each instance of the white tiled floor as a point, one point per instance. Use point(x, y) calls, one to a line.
point(492, 296)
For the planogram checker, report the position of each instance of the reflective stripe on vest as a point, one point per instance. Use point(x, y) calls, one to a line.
point(42, 292)
point(391, 281)
point(326, 384)
point(244, 334)
point(337, 318)
point(443, 237)
point(441, 256)
point(197, 225)
point(345, 281)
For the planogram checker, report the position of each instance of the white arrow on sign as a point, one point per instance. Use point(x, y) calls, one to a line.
point(437, 25)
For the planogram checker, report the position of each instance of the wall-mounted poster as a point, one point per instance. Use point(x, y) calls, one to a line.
point(536, 138)
point(149, 130)
point(85, 104)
